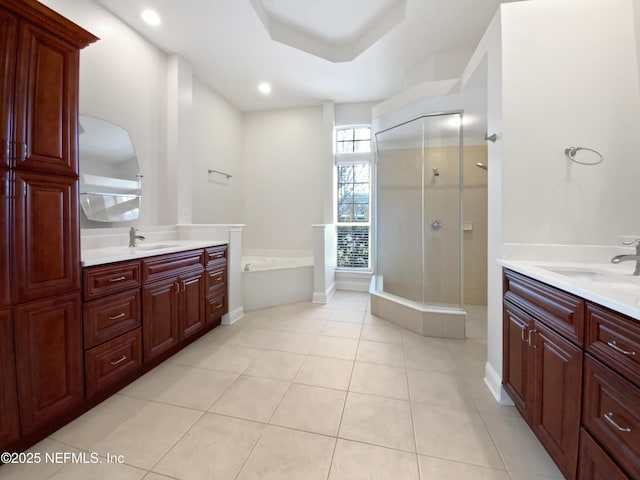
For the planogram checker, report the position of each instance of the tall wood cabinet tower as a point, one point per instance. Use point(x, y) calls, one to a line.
point(41, 352)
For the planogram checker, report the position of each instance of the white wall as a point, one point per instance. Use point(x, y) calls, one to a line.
point(570, 78)
point(128, 81)
point(218, 145)
point(287, 177)
point(353, 113)
point(123, 80)
point(554, 81)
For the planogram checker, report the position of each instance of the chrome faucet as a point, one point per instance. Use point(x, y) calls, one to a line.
point(133, 237)
point(636, 257)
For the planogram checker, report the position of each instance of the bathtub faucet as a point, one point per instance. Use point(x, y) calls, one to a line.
point(636, 257)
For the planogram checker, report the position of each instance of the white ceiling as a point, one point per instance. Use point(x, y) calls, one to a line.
point(396, 44)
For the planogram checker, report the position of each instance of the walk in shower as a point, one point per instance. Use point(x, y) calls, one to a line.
point(418, 224)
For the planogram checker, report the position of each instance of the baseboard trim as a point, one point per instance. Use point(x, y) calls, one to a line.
point(233, 316)
point(324, 297)
point(493, 381)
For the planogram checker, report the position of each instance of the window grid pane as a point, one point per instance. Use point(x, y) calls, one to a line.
point(353, 191)
point(353, 246)
point(353, 140)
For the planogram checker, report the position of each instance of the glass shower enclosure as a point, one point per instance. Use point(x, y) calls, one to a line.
point(418, 225)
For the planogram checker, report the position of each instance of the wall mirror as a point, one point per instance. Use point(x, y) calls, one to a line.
point(110, 180)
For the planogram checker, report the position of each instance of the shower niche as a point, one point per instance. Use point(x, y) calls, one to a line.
point(418, 226)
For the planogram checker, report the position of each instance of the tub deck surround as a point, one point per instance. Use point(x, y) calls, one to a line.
point(622, 297)
point(276, 277)
point(99, 256)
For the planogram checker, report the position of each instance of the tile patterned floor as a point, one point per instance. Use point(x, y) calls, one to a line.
point(307, 392)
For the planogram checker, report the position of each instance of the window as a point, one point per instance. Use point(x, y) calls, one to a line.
point(353, 198)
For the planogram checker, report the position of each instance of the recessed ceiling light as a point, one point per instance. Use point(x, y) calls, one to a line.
point(151, 17)
point(264, 88)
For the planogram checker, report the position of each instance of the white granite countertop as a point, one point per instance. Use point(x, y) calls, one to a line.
point(609, 285)
point(99, 256)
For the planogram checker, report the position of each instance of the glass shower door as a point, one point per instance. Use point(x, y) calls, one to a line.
point(442, 210)
point(418, 210)
point(399, 243)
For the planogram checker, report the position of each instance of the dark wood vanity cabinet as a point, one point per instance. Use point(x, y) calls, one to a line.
point(542, 373)
point(595, 464)
point(5, 269)
point(9, 419)
point(41, 89)
point(8, 51)
point(48, 343)
point(161, 329)
point(45, 230)
point(172, 300)
point(572, 370)
point(216, 302)
point(39, 229)
point(112, 317)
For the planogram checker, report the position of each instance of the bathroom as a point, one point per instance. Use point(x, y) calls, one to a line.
point(542, 96)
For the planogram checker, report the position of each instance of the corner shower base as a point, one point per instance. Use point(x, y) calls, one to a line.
point(424, 320)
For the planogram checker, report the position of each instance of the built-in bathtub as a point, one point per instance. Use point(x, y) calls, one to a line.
point(269, 280)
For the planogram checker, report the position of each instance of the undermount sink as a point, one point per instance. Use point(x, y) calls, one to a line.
point(156, 246)
point(596, 276)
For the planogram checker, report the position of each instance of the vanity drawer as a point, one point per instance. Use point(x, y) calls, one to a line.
point(611, 414)
point(216, 254)
point(594, 463)
point(215, 308)
point(216, 277)
point(615, 340)
point(166, 266)
point(560, 310)
point(108, 317)
point(112, 361)
point(116, 277)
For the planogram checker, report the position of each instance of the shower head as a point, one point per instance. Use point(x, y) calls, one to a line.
point(482, 166)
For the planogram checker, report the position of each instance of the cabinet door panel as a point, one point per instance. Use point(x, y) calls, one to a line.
point(46, 103)
point(8, 29)
point(518, 360)
point(159, 317)
point(48, 336)
point(9, 423)
point(47, 254)
point(192, 299)
point(557, 396)
point(5, 278)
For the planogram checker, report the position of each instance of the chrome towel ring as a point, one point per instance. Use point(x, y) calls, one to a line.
point(596, 156)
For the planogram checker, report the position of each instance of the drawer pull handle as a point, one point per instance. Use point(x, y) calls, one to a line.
point(529, 338)
point(219, 305)
point(120, 360)
point(609, 418)
point(523, 332)
point(119, 279)
point(612, 344)
point(218, 279)
point(116, 317)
